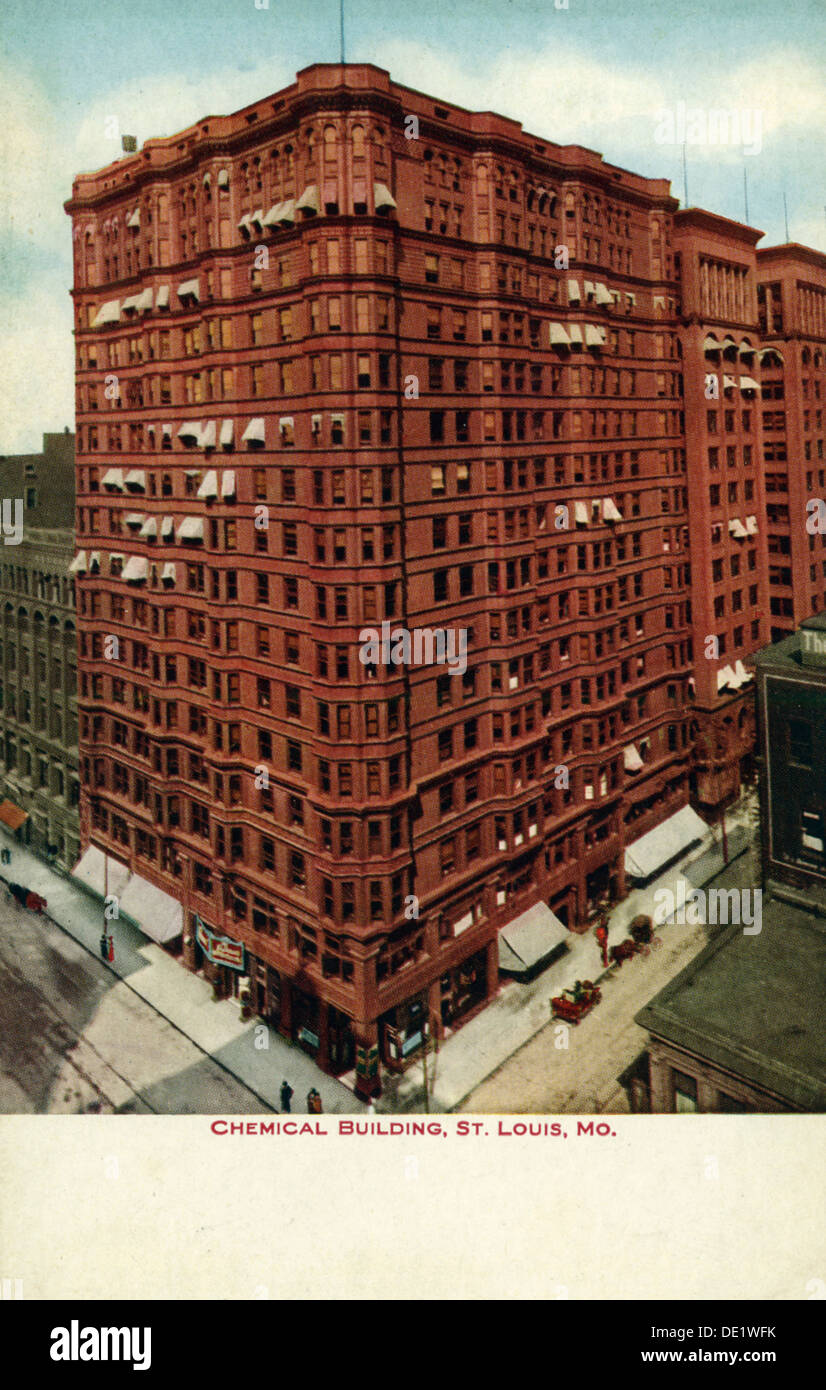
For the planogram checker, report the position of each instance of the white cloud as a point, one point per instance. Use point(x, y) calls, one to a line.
point(36, 366)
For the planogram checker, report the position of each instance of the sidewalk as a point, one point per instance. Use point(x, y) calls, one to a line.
point(182, 998)
point(519, 1011)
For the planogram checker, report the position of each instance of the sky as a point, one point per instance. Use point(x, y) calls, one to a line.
point(601, 73)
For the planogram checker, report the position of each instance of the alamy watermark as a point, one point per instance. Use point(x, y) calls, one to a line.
point(693, 907)
point(423, 646)
point(699, 125)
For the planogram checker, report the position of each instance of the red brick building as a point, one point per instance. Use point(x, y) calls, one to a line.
point(352, 356)
point(791, 302)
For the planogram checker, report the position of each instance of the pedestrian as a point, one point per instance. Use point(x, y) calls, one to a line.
point(104, 946)
point(316, 1106)
point(286, 1096)
point(310, 1100)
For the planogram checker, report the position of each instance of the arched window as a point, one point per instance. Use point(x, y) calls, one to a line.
point(329, 143)
point(358, 141)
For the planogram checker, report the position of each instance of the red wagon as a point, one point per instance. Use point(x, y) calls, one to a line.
point(573, 1004)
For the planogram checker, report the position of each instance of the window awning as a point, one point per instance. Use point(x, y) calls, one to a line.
point(710, 343)
point(558, 336)
point(136, 568)
point(631, 297)
point(751, 525)
point(255, 432)
point(286, 212)
point(746, 349)
point(166, 431)
point(728, 342)
point(726, 676)
point(589, 287)
point(382, 197)
point(189, 290)
point(228, 483)
point(78, 564)
point(530, 940)
point(191, 529)
point(664, 843)
point(631, 758)
point(610, 510)
point(308, 202)
point(226, 433)
point(729, 382)
point(740, 671)
point(135, 219)
point(190, 431)
point(107, 313)
point(209, 486)
point(134, 518)
point(136, 478)
point(748, 383)
point(244, 223)
point(257, 218)
point(94, 561)
point(131, 302)
point(223, 178)
point(337, 420)
point(144, 300)
point(207, 180)
point(168, 573)
point(206, 435)
point(286, 422)
point(574, 294)
point(113, 477)
point(167, 527)
point(93, 870)
point(149, 530)
point(581, 513)
point(12, 816)
point(162, 297)
point(594, 335)
point(659, 301)
point(575, 332)
point(271, 218)
point(736, 528)
point(770, 352)
point(158, 915)
point(604, 295)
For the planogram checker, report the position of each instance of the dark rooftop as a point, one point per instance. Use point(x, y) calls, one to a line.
point(755, 1005)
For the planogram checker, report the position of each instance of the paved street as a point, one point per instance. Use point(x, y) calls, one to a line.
point(76, 1039)
point(543, 1077)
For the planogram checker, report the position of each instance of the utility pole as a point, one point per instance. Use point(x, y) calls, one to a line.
point(786, 213)
point(341, 28)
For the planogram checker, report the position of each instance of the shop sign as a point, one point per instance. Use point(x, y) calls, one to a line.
point(410, 1044)
point(304, 1035)
point(222, 950)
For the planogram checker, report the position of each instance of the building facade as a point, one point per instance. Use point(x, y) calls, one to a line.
point(38, 697)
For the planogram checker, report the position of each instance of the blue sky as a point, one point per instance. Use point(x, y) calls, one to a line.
point(599, 73)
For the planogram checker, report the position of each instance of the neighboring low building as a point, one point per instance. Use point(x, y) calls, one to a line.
point(38, 662)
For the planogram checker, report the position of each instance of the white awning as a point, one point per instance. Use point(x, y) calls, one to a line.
point(107, 313)
point(710, 343)
point(223, 178)
point(228, 483)
point(113, 477)
point(575, 332)
point(135, 219)
point(167, 528)
point(209, 486)
point(748, 383)
point(156, 913)
point(168, 572)
point(664, 843)
point(770, 352)
point(751, 525)
point(144, 300)
point(226, 433)
point(729, 382)
point(93, 870)
point(382, 197)
point(149, 530)
point(610, 510)
point(271, 218)
point(659, 301)
point(244, 223)
point(134, 518)
point(130, 303)
point(604, 295)
point(78, 564)
point(189, 290)
point(337, 420)
point(136, 478)
point(631, 297)
point(206, 435)
point(286, 422)
point(631, 758)
point(589, 288)
point(741, 672)
point(190, 431)
point(136, 568)
point(726, 676)
point(530, 939)
point(581, 513)
point(207, 179)
point(746, 349)
point(558, 336)
point(166, 431)
point(736, 528)
point(594, 335)
point(728, 342)
point(308, 202)
point(574, 295)
point(286, 212)
point(257, 218)
point(191, 529)
point(162, 297)
point(255, 432)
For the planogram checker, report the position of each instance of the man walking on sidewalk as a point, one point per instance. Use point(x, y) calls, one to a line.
point(286, 1097)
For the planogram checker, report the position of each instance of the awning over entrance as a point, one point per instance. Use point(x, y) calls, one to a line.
point(11, 815)
point(665, 842)
point(89, 869)
point(530, 939)
point(156, 913)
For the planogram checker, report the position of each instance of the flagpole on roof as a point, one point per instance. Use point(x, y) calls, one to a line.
point(341, 28)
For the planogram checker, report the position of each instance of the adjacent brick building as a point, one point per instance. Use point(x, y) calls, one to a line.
point(349, 357)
